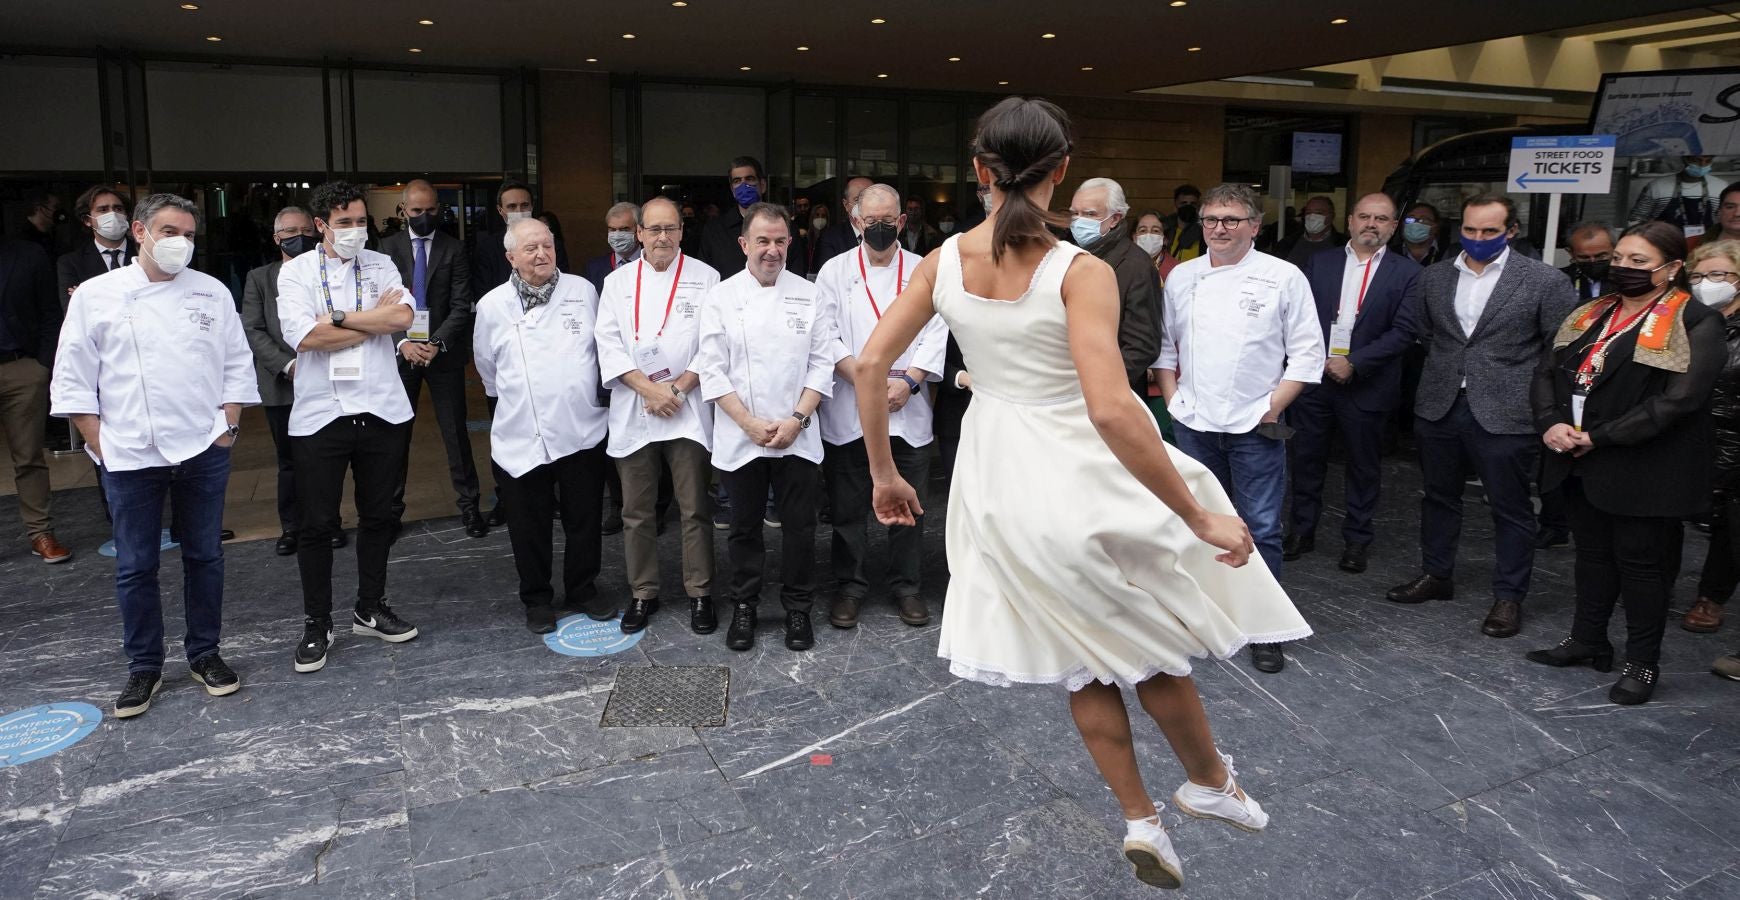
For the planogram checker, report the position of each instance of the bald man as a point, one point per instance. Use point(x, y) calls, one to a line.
point(434, 268)
point(842, 236)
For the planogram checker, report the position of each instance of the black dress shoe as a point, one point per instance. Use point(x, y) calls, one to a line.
point(1552, 538)
point(1297, 545)
point(475, 526)
point(497, 516)
point(1423, 588)
point(1268, 658)
point(1505, 619)
point(613, 520)
point(1353, 558)
point(798, 634)
point(1636, 684)
point(741, 634)
point(226, 535)
point(639, 611)
point(1569, 652)
point(286, 545)
point(339, 539)
point(702, 619)
point(541, 619)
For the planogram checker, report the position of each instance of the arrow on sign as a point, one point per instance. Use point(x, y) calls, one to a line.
point(1523, 181)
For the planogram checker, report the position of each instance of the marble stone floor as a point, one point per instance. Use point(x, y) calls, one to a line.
point(1402, 754)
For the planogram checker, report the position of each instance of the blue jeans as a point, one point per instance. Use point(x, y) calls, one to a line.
point(195, 489)
point(1253, 469)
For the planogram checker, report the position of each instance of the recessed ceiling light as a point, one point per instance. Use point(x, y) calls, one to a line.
point(1087, 68)
point(954, 59)
point(1048, 35)
point(679, 3)
point(883, 75)
point(425, 21)
point(803, 48)
point(1192, 49)
point(878, 21)
point(416, 49)
point(213, 38)
point(591, 59)
point(190, 6)
point(1338, 21)
point(1002, 82)
point(1179, 3)
point(628, 37)
point(742, 68)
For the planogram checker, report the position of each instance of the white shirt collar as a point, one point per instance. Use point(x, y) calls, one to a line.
point(1375, 257)
point(1497, 264)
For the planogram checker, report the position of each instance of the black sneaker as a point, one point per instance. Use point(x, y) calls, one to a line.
point(381, 622)
point(136, 696)
point(798, 634)
point(219, 679)
point(770, 518)
point(316, 637)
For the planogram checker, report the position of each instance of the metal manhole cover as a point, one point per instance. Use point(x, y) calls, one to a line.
point(669, 696)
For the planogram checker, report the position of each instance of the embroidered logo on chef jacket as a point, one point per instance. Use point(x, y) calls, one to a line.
point(200, 318)
point(798, 311)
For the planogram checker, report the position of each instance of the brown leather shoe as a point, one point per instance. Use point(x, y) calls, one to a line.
point(1703, 618)
point(1505, 619)
point(51, 550)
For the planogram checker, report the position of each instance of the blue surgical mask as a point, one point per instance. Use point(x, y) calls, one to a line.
point(1484, 251)
point(1698, 171)
point(745, 193)
point(1085, 230)
point(1416, 232)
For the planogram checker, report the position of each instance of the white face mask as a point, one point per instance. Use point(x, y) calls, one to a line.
point(819, 223)
point(348, 242)
point(946, 226)
point(172, 254)
point(1150, 243)
point(985, 200)
point(1315, 223)
point(513, 217)
point(110, 226)
point(622, 242)
point(1713, 293)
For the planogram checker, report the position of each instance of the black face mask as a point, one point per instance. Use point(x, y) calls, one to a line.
point(1595, 271)
point(422, 224)
point(880, 236)
point(298, 244)
point(1632, 282)
point(1187, 214)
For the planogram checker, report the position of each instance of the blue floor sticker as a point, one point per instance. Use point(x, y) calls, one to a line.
point(580, 636)
point(31, 734)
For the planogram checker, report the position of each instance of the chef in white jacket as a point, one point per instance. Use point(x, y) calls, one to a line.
point(649, 326)
point(153, 369)
point(766, 362)
point(536, 353)
point(858, 287)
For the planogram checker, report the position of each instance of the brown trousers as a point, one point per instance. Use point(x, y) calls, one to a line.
point(691, 471)
point(23, 415)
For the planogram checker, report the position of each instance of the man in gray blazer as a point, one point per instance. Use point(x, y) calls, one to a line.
point(438, 277)
point(275, 361)
point(1489, 314)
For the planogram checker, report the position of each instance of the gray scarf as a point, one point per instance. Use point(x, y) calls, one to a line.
point(533, 297)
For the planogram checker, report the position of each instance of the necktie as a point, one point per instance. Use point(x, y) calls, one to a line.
point(420, 273)
point(114, 259)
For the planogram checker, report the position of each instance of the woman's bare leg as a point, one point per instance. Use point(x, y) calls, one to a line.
point(1175, 706)
point(1105, 729)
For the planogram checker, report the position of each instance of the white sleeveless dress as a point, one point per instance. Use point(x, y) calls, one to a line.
point(1064, 568)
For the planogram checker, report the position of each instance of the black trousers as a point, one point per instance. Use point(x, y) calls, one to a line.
point(1449, 449)
point(1554, 516)
point(447, 391)
point(847, 467)
point(278, 422)
point(1316, 416)
point(373, 449)
point(1629, 558)
point(1722, 564)
point(797, 489)
point(576, 483)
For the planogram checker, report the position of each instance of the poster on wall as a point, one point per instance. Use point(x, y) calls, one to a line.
point(1683, 112)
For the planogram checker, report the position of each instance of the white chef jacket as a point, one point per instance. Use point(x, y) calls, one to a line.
point(670, 341)
point(301, 303)
point(542, 366)
point(841, 284)
point(1233, 333)
point(156, 361)
point(765, 344)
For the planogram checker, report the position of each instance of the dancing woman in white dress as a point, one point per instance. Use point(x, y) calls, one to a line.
point(1083, 550)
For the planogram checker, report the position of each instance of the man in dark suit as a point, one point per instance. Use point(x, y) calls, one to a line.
point(620, 231)
point(30, 317)
point(489, 265)
point(919, 236)
point(1591, 245)
point(275, 362)
point(719, 247)
point(432, 264)
point(1489, 314)
point(840, 237)
point(105, 212)
point(1368, 303)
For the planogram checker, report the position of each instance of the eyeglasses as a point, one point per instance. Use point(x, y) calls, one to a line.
point(1416, 220)
point(1720, 277)
point(885, 220)
point(657, 230)
point(1210, 223)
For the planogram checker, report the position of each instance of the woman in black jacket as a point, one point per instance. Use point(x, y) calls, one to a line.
point(1715, 274)
point(1622, 401)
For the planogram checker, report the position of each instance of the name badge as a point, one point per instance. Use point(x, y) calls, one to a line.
point(1340, 338)
point(419, 330)
point(1693, 231)
point(1577, 399)
point(346, 364)
point(650, 359)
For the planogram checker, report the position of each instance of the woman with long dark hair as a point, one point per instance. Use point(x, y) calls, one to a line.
point(1083, 550)
point(1622, 402)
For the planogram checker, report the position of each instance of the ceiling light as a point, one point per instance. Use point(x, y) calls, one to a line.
point(214, 38)
point(591, 59)
point(1087, 68)
point(190, 6)
point(1179, 3)
point(878, 21)
point(1338, 21)
point(628, 37)
point(1002, 82)
point(1192, 49)
point(742, 68)
point(954, 59)
point(1048, 35)
point(679, 3)
point(803, 48)
point(416, 49)
point(883, 75)
point(425, 21)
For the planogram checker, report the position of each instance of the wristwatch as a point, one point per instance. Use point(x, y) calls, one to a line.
point(910, 383)
point(234, 431)
point(803, 420)
point(338, 317)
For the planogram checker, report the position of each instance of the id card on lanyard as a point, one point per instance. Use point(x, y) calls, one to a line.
point(899, 280)
point(1595, 359)
point(650, 357)
point(1341, 331)
point(346, 364)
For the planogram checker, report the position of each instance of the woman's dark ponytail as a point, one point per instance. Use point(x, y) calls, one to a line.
point(1022, 141)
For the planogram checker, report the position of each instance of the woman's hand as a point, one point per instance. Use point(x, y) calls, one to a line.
point(896, 503)
point(1582, 443)
point(1227, 533)
point(1560, 438)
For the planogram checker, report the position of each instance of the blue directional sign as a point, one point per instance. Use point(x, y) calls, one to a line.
point(31, 734)
point(580, 636)
point(1577, 164)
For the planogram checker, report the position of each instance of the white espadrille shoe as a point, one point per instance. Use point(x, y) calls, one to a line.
point(1226, 803)
point(1148, 848)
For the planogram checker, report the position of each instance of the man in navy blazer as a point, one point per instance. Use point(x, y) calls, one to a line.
point(1368, 302)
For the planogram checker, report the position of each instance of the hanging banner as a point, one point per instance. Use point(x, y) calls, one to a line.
point(1685, 112)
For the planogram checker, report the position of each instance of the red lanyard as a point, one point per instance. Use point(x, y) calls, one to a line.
point(1359, 306)
point(677, 280)
point(1596, 355)
point(899, 276)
